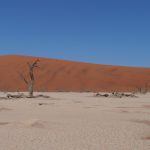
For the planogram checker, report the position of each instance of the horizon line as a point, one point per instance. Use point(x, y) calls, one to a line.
point(69, 60)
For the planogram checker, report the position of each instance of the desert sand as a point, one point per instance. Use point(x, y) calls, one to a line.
point(61, 75)
point(75, 121)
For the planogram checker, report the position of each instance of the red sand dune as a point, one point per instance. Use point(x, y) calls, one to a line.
point(60, 75)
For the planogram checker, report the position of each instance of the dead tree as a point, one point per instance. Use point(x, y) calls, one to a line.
point(31, 81)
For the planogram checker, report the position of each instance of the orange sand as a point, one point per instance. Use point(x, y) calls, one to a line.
point(60, 75)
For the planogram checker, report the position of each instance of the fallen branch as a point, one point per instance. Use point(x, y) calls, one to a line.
point(115, 95)
point(9, 96)
point(15, 96)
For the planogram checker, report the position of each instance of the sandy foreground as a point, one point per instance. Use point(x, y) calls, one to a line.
point(75, 121)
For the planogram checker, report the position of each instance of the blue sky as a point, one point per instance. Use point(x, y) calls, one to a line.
point(113, 32)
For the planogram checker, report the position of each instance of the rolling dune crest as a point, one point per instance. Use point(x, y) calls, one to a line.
point(61, 75)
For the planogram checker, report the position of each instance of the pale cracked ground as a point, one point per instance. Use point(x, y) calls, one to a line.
point(75, 121)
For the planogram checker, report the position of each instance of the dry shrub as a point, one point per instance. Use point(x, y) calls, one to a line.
point(142, 89)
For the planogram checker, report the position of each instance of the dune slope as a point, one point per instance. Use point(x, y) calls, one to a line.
point(60, 75)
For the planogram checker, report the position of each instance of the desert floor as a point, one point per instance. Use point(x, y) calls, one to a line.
point(75, 121)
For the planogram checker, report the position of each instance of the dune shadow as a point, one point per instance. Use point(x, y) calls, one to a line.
point(146, 122)
point(4, 123)
point(4, 109)
point(147, 106)
point(146, 138)
point(40, 104)
point(33, 123)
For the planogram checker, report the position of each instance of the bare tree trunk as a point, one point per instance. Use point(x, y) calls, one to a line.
point(30, 89)
point(30, 83)
point(31, 74)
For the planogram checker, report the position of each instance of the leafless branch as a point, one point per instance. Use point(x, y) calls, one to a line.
point(22, 77)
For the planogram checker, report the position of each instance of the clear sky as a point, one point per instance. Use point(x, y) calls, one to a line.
point(113, 32)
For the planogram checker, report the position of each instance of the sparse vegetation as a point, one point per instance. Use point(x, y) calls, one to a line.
point(30, 83)
point(115, 95)
point(142, 89)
